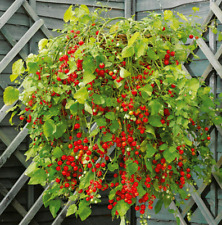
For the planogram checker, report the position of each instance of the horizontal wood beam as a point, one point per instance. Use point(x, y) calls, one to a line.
point(20, 44)
point(10, 12)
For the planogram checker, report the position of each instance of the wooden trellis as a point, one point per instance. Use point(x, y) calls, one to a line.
point(212, 71)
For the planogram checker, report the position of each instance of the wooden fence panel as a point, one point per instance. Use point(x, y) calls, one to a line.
point(22, 24)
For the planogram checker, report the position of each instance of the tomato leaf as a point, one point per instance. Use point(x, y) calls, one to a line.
point(110, 115)
point(71, 210)
point(158, 205)
point(54, 206)
point(49, 128)
point(81, 95)
point(11, 95)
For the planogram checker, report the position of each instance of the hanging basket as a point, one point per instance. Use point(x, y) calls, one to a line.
point(103, 98)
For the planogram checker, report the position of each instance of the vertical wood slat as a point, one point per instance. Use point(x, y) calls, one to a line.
point(128, 5)
point(213, 85)
point(10, 12)
point(13, 145)
point(20, 44)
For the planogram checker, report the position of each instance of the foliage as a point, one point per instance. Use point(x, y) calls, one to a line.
point(127, 78)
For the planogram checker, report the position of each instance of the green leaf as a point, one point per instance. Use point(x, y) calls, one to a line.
point(170, 156)
point(131, 167)
point(88, 77)
point(32, 168)
point(72, 66)
point(57, 152)
point(38, 177)
point(148, 89)
point(158, 205)
point(176, 130)
point(69, 103)
point(122, 207)
point(74, 108)
point(94, 132)
point(101, 122)
point(140, 48)
point(107, 137)
point(42, 43)
point(84, 211)
point(163, 147)
point(89, 64)
point(128, 52)
point(54, 206)
point(156, 107)
point(150, 151)
point(168, 14)
point(98, 99)
point(18, 67)
point(68, 14)
point(141, 190)
point(81, 95)
point(182, 16)
point(10, 95)
point(155, 121)
point(220, 36)
point(113, 166)
point(49, 128)
point(195, 9)
point(124, 73)
point(112, 193)
point(114, 126)
point(150, 129)
point(71, 210)
point(148, 165)
point(32, 67)
point(133, 38)
point(88, 108)
point(85, 181)
point(152, 55)
point(187, 141)
point(110, 115)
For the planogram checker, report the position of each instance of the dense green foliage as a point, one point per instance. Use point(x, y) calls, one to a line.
point(127, 78)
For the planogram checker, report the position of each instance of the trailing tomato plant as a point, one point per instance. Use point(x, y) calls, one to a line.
point(102, 98)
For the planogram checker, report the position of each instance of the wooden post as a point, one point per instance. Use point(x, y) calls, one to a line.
point(214, 133)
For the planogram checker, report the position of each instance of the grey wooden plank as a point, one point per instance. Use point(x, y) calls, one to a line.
point(90, 3)
point(35, 17)
point(10, 11)
point(16, 205)
point(13, 192)
point(12, 41)
point(34, 209)
point(209, 67)
point(177, 214)
point(13, 145)
point(20, 44)
point(144, 5)
point(200, 203)
point(128, 5)
point(216, 10)
point(210, 56)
